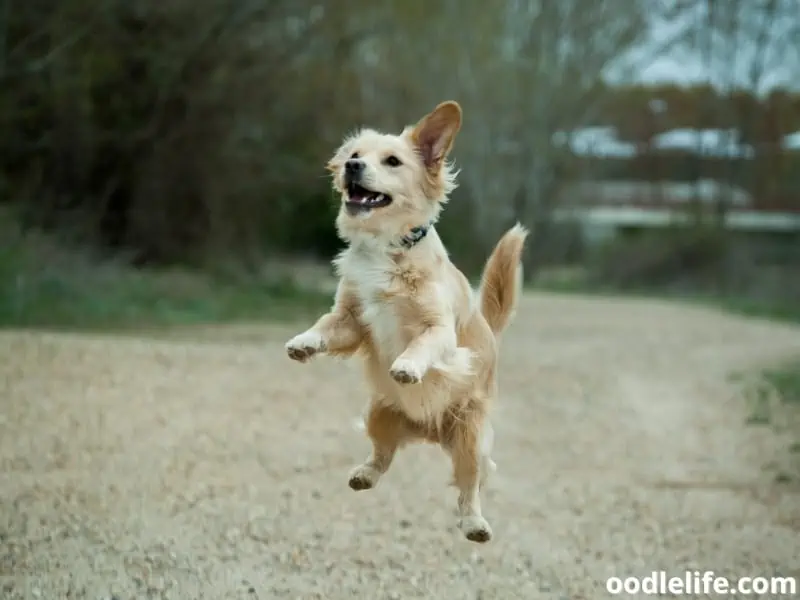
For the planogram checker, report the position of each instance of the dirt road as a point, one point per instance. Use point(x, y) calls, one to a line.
point(208, 465)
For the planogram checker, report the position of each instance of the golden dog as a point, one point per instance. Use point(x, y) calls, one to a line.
point(428, 342)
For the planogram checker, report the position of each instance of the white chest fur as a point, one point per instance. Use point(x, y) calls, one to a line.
point(372, 274)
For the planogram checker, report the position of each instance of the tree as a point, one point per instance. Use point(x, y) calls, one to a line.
point(561, 54)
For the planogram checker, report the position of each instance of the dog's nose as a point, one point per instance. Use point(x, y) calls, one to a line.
point(354, 166)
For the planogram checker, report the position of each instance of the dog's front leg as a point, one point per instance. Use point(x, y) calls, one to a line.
point(429, 347)
point(436, 345)
point(338, 332)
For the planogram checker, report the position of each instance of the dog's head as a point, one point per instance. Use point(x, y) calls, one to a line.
point(392, 183)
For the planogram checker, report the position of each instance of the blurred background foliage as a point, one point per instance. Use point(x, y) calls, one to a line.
point(163, 134)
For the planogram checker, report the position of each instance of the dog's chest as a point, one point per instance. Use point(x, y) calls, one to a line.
point(375, 278)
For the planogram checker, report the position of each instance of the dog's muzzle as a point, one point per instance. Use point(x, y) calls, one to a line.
point(353, 171)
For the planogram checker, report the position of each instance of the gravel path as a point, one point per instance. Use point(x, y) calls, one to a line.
point(207, 465)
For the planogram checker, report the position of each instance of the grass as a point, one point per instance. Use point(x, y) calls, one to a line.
point(774, 399)
point(44, 284)
point(785, 380)
point(775, 309)
point(574, 281)
point(148, 299)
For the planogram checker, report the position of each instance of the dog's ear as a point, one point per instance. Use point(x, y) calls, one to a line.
point(435, 133)
point(335, 163)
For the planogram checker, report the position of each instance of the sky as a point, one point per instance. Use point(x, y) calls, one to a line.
point(733, 55)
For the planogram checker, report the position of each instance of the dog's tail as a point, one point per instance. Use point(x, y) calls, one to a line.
point(502, 279)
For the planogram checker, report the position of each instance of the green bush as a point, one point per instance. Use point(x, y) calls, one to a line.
point(175, 131)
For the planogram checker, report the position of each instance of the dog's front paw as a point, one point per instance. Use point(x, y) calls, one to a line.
point(305, 345)
point(405, 371)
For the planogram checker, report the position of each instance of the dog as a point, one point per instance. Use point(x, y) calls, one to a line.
point(428, 341)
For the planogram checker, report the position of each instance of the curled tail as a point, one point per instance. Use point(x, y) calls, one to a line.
point(501, 281)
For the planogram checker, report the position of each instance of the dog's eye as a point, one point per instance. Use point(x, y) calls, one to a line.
point(354, 155)
point(392, 161)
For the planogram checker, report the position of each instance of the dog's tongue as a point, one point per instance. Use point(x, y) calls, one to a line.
point(359, 197)
point(356, 194)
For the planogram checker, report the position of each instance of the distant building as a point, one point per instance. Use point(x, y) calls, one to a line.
point(721, 143)
point(791, 141)
point(595, 141)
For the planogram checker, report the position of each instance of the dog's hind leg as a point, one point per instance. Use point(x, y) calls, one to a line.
point(488, 466)
point(388, 430)
point(463, 442)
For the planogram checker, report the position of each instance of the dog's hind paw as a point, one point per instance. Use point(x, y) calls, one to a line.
point(364, 477)
point(475, 529)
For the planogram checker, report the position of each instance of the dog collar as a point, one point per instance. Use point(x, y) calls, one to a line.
point(414, 236)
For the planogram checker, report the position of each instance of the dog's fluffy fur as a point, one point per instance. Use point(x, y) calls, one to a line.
point(428, 342)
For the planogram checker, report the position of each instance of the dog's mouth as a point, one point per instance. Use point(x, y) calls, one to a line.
point(361, 200)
